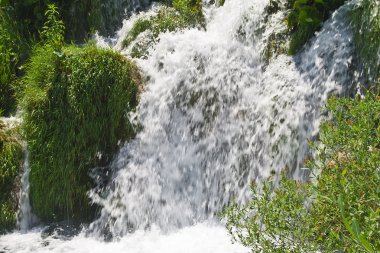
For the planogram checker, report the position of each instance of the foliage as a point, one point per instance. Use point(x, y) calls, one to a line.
point(305, 17)
point(366, 26)
point(9, 46)
point(181, 14)
point(75, 112)
point(271, 221)
point(348, 202)
point(341, 210)
point(53, 30)
point(10, 163)
point(14, 50)
point(83, 17)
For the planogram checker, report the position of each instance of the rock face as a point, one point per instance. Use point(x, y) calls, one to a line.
point(76, 107)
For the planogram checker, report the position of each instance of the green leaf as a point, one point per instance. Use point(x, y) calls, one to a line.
point(309, 20)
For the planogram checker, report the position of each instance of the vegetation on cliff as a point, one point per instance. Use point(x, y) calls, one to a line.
point(75, 104)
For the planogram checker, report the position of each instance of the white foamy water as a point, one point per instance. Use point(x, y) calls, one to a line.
point(202, 238)
point(213, 119)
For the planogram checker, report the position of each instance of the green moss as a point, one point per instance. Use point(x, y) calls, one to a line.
point(140, 26)
point(341, 210)
point(10, 164)
point(366, 24)
point(181, 14)
point(75, 104)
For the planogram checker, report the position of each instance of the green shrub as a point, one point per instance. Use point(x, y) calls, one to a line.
point(75, 106)
point(181, 14)
point(366, 25)
point(347, 207)
point(10, 164)
point(305, 17)
point(53, 29)
point(341, 210)
point(271, 222)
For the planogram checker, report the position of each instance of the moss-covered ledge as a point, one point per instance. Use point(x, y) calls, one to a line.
point(75, 115)
point(173, 15)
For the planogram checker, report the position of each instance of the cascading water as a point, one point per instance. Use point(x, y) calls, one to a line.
point(25, 217)
point(213, 118)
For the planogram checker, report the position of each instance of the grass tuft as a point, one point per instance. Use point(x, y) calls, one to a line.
point(10, 165)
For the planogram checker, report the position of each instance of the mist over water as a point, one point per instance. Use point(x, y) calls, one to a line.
point(214, 117)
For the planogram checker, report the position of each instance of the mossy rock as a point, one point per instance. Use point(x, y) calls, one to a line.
point(76, 104)
point(178, 14)
point(276, 43)
point(10, 165)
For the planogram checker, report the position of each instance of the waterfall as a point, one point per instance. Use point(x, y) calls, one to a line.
point(213, 119)
point(25, 216)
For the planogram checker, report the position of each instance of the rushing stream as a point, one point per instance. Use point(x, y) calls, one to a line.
point(213, 119)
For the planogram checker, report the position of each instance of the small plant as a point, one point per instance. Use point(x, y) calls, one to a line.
point(53, 29)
